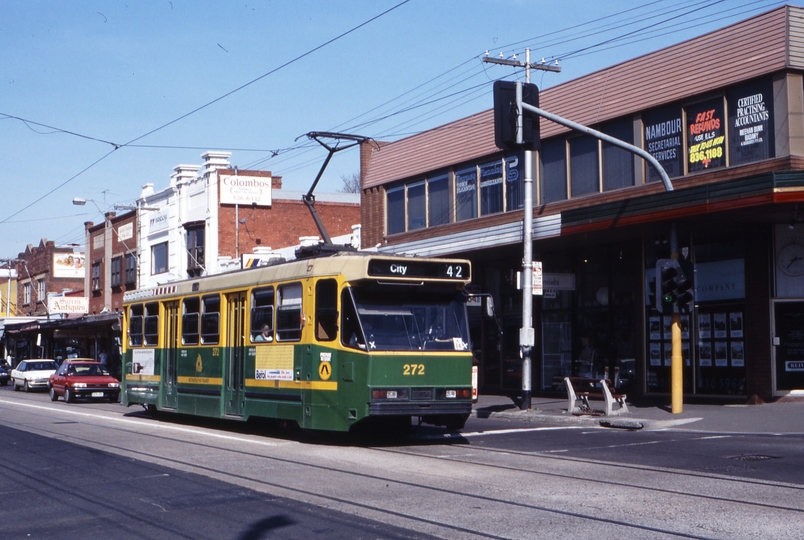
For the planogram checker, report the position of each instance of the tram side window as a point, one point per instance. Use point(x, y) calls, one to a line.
point(189, 321)
point(289, 312)
point(210, 319)
point(351, 335)
point(262, 315)
point(151, 328)
point(135, 325)
point(326, 310)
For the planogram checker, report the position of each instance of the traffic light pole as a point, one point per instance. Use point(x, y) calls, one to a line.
point(526, 332)
point(676, 359)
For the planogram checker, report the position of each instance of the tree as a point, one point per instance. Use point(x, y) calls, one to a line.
point(351, 183)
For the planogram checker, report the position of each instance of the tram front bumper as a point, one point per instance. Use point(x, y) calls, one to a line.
point(420, 401)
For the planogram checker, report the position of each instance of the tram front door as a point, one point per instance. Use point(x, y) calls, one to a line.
point(235, 351)
point(171, 351)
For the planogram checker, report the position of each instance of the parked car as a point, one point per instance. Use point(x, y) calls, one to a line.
point(4, 376)
point(33, 373)
point(83, 379)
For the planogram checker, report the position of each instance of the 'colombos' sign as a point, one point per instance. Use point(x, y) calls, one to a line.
point(245, 190)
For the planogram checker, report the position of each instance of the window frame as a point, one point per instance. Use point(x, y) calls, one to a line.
point(289, 309)
point(262, 326)
point(156, 257)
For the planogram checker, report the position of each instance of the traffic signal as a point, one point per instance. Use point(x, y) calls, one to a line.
point(505, 116)
point(666, 273)
point(684, 288)
point(674, 293)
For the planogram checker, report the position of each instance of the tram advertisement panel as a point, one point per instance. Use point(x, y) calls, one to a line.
point(750, 117)
point(706, 136)
point(663, 134)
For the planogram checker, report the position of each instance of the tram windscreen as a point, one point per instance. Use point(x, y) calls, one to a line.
point(401, 321)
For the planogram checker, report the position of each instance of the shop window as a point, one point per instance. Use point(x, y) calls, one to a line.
point(289, 312)
point(96, 277)
point(159, 258)
point(663, 135)
point(618, 163)
point(131, 270)
point(210, 319)
point(117, 271)
point(135, 325)
point(190, 308)
point(514, 186)
point(151, 326)
point(439, 201)
point(195, 249)
point(584, 166)
point(326, 310)
point(751, 122)
point(416, 206)
point(491, 188)
point(262, 314)
point(396, 209)
point(706, 136)
point(466, 187)
point(553, 154)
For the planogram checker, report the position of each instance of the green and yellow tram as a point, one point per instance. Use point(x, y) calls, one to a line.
point(326, 342)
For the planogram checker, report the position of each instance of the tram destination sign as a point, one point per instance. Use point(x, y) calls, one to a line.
point(411, 268)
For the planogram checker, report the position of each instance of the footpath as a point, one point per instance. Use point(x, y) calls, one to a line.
point(780, 417)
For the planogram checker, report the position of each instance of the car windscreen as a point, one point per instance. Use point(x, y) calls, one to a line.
point(87, 370)
point(42, 366)
point(404, 320)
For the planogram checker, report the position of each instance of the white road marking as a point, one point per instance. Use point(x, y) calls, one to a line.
point(141, 423)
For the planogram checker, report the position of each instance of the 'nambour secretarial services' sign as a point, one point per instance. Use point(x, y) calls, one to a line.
point(246, 190)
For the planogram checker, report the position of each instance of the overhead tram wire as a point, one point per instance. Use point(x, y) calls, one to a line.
point(197, 109)
point(539, 42)
point(687, 25)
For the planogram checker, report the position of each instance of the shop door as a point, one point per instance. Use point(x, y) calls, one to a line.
point(788, 343)
point(235, 374)
point(171, 351)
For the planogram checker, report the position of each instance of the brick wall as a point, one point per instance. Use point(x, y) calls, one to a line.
point(281, 224)
point(38, 264)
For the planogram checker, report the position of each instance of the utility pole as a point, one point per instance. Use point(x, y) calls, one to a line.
point(527, 337)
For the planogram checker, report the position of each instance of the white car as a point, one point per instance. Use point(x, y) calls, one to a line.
point(33, 373)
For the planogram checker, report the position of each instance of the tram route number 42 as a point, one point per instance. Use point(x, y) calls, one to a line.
point(455, 271)
point(413, 369)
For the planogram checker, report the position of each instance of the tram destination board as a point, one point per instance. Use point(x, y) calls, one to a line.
point(411, 268)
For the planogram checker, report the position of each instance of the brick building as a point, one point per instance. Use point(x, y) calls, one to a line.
point(112, 266)
point(45, 270)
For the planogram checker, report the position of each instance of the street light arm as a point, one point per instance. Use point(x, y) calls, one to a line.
point(668, 186)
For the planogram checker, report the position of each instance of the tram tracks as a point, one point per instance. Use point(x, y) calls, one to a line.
point(476, 481)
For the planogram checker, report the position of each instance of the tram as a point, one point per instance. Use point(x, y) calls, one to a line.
point(327, 342)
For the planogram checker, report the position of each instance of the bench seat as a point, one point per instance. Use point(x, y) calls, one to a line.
point(582, 388)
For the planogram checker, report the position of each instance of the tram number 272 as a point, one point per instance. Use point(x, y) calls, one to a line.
point(413, 369)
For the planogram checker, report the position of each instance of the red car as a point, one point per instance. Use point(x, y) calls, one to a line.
point(83, 379)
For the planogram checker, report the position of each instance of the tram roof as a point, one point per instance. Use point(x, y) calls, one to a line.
point(352, 265)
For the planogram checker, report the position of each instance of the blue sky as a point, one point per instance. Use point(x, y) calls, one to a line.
point(98, 98)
